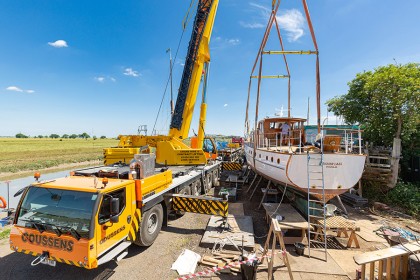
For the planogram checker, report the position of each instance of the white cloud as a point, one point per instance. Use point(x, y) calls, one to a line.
point(18, 89)
point(99, 79)
point(131, 72)
point(220, 42)
point(253, 25)
point(225, 105)
point(14, 88)
point(292, 21)
point(233, 42)
point(58, 44)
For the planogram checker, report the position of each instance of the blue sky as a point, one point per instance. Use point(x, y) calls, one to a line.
point(101, 66)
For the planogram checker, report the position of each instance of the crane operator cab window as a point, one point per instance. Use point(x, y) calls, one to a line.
point(105, 209)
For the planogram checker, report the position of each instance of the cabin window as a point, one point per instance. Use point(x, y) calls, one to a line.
point(105, 209)
point(271, 159)
point(266, 157)
point(278, 161)
point(272, 125)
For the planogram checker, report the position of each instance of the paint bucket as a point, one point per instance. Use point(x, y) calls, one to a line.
point(299, 248)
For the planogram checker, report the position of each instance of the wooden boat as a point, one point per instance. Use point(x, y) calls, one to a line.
point(286, 156)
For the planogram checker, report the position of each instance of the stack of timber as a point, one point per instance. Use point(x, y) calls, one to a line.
point(221, 259)
point(378, 166)
point(354, 200)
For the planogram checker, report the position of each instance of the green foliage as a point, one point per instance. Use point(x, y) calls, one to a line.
point(94, 137)
point(103, 137)
point(65, 136)
point(40, 136)
point(84, 135)
point(404, 195)
point(21, 135)
point(407, 196)
point(54, 136)
point(385, 102)
point(73, 136)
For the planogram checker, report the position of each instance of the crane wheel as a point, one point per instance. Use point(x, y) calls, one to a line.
point(150, 226)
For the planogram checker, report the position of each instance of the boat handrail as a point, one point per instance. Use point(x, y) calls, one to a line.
point(340, 140)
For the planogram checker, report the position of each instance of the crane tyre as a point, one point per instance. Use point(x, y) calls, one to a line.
point(3, 202)
point(150, 226)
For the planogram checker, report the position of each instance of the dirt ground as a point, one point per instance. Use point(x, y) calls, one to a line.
point(185, 233)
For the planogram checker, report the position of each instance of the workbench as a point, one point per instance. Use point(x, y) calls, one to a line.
point(292, 221)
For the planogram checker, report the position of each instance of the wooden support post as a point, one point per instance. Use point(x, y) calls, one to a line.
point(363, 272)
point(372, 271)
point(275, 231)
point(246, 175)
point(404, 267)
point(388, 268)
point(397, 268)
point(256, 186)
point(267, 189)
point(253, 180)
point(381, 270)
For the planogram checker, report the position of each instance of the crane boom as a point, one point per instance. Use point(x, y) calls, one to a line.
point(198, 54)
point(170, 150)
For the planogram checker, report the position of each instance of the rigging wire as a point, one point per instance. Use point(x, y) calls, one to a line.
point(184, 25)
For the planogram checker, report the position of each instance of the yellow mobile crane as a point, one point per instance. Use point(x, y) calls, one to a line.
point(170, 150)
point(94, 215)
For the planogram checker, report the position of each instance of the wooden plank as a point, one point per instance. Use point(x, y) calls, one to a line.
point(386, 253)
point(292, 218)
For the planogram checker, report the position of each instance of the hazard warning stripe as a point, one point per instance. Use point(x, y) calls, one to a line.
point(135, 222)
point(200, 205)
point(232, 166)
point(52, 258)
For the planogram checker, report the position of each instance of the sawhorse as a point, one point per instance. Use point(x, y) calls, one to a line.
point(275, 231)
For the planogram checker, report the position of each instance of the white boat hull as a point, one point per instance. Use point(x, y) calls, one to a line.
point(341, 171)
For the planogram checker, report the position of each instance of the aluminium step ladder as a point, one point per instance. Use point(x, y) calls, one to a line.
point(316, 203)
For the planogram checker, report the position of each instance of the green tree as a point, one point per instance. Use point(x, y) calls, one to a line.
point(84, 135)
point(65, 136)
point(103, 137)
point(40, 136)
point(21, 135)
point(73, 136)
point(384, 102)
point(54, 136)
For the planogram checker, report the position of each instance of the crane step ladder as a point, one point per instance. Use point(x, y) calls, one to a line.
point(316, 204)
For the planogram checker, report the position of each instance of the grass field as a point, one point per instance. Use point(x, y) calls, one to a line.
point(27, 154)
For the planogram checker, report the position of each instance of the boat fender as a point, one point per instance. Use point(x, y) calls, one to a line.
point(3, 202)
